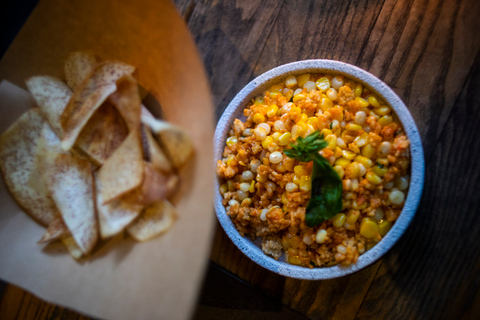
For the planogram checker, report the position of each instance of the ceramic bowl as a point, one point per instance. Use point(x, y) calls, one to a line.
point(252, 249)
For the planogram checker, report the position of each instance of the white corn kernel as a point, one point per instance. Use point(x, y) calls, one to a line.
point(242, 194)
point(341, 249)
point(396, 196)
point(247, 175)
point(362, 170)
point(401, 183)
point(384, 149)
point(291, 81)
point(360, 117)
point(337, 82)
point(247, 132)
point(291, 187)
point(265, 127)
point(263, 215)
point(279, 125)
point(332, 94)
point(244, 186)
point(232, 202)
point(276, 157)
point(321, 235)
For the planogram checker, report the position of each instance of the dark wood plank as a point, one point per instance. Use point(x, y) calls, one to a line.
point(434, 272)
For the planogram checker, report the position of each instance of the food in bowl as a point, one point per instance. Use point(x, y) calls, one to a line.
point(267, 191)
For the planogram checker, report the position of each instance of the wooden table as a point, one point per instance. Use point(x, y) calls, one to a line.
point(429, 53)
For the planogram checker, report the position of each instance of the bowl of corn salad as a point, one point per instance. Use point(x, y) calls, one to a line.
point(367, 140)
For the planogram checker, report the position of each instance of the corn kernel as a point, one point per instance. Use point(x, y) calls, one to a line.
point(300, 171)
point(384, 226)
point(272, 111)
point(379, 171)
point(361, 140)
point(367, 163)
point(313, 121)
point(373, 178)
point(332, 141)
point(284, 198)
point(382, 110)
point(231, 141)
point(303, 117)
point(298, 131)
point(353, 127)
point(259, 100)
point(352, 217)
point(352, 170)
point(258, 118)
point(273, 95)
point(339, 170)
point(348, 154)
point(276, 88)
point(261, 178)
point(326, 104)
point(356, 206)
point(296, 180)
point(385, 120)
point(368, 151)
point(323, 84)
point(231, 162)
point(288, 94)
point(295, 111)
point(266, 142)
point(396, 196)
point(342, 162)
point(284, 139)
point(363, 103)
point(252, 186)
point(382, 161)
point(305, 183)
point(373, 101)
point(298, 97)
point(326, 132)
point(291, 81)
point(358, 90)
point(368, 228)
point(338, 220)
point(275, 136)
point(354, 148)
point(301, 80)
point(338, 151)
point(321, 236)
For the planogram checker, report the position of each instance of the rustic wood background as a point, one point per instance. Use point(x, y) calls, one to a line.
point(429, 53)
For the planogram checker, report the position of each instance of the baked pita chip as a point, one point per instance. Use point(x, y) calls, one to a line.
point(123, 171)
point(18, 151)
point(72, 246)
point(127, 101)
point(55, 231)
point(51, 95)
point(88, 97)
point(173, 139)
point(156, 156)
point(153, 221)
point(77, 67)
point(116, 215)
point(70, 181)
point(103, 134)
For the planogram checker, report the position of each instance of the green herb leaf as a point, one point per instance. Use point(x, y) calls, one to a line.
point(326, 195)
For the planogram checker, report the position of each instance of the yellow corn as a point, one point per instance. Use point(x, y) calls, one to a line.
point(295, 112)
point(305, 183)
point(354, 148)
point(261, 178)
point(339, 170)
point(363, 103)
point(313, 121)
point(385, 121)
point(298, 131)
point(326, 104)
point(296, 180)
point(368, 228)
point(284, 198)
point(298, 97)
point(258, 118)
point(332, 141)
point(339, 219)
point(300, 171)
point(276, 88)
point(384, 226)
point(352, 217)
point(352, 170)
point(230, 161)
point(323, 84)
point(301, 80)
point(382, 110)
point(275, 136)
point(231, 141)
point(379, 171)
point(259, 100)
point(357, 206)
point(342, 162)
point(326, 132)
point(266, 142)
point(338, 152)
point(353, 127)
point(361, 140)
point(252, 186)
point(288, 94)
point(273, 95)
point(272, 111)
point(284, 139)
point(374, 101)
point(373, 178)
point(367, 163)
point(358, 90)
point(368, 151)
point(383, 161)
point(303, 117)
point(348, 154)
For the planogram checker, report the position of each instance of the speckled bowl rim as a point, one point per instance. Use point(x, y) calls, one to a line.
point(262, 82)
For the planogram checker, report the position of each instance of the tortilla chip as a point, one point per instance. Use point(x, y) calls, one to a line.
point(116, 215)
point(156, 156)
point(154, 221)
point(18, 147)
point(156, 186)
point(103, 134)
point(173, 139)
point(77, 67)
point(71, 184)
point(72, 246)
point(123, 171)
point(51, 95)
point(88, 97)
point(55, 230)
point(127, 101)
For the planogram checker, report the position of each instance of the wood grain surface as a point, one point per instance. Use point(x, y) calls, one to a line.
point(429, 53)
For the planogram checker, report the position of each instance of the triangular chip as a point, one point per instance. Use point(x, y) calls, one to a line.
point(123, 171)
point(116, 215)
point(153, 221)
point(55, 230)
point(70, 182)
point(156, 156)
point(77, 67)
point(51, 95)
point(173, 139)
point(88, 97)
point(18, 147)
point(72, 246)
point(103, 134)
point(127, 101)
